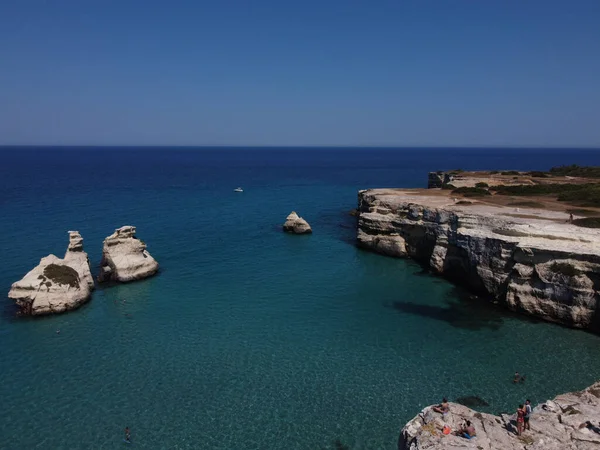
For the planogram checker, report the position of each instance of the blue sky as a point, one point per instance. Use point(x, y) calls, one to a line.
point(306, 72)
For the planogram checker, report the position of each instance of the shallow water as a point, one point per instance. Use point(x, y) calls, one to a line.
point(251, 338)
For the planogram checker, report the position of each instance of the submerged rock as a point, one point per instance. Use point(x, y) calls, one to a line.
point(125, 258)
point(557, 424)
point(296, 224)
point(472, 401)
point(56, 285)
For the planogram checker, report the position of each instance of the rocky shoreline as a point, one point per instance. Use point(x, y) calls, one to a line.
point(557, 424)
point(530, 260)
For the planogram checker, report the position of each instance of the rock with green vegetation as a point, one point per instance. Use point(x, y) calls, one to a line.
point(125, 258)
point(56, 285)
point(565, 423)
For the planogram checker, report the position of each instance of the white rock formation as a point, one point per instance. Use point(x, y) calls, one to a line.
point(56, 285)
point(555, 425)
point(535, 261)
point(125, 258)
point(296, 224)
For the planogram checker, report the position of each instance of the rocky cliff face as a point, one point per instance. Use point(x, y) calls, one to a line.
point(125, 258)
point(56, 285)
point(555, 425)
point(531, 261)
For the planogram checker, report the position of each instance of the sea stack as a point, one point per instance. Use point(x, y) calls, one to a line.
point(125, 258)
point(56, 285)
point(296, 224)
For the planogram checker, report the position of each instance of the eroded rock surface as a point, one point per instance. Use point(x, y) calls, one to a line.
point(56, 285)
point(555, 425)
point(531, 260)
point(296, 224)
point(125, 258)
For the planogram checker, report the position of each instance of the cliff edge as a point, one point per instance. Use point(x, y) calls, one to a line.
point(531, 260)
point(558, 424)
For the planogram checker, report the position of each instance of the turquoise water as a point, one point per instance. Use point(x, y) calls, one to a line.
point(251, 338)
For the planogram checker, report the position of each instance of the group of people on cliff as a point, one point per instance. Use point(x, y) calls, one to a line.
point(467, 430)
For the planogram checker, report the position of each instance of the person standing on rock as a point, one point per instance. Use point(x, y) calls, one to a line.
point(520, 419)
point(527, 415)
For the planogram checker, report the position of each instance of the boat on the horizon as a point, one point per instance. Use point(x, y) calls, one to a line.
point(239, 189)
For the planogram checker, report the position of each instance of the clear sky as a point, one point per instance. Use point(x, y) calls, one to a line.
point(303, 72)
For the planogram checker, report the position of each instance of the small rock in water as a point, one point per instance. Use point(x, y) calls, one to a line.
point(472, 401)
point(296, 224)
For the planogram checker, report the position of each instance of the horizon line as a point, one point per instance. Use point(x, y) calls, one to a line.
point(507, 147)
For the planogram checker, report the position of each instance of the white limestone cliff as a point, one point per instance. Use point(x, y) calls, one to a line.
point(56, 285)
point(125, 258)
point(296, 224)
point(557, 424)
point(532, 261)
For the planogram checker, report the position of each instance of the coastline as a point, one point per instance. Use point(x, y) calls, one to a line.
point(531, 260)
point(555, 425)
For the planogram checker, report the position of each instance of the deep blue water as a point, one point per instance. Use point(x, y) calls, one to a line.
point(251, 338)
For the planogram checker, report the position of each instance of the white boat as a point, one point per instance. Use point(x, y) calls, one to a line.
point(238, 190)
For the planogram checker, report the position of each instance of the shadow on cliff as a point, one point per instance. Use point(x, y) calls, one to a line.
point(459, 310)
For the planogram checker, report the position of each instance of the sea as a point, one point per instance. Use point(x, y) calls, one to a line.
point(250, 338)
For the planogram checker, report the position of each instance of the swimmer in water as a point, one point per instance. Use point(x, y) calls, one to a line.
point(57, 331)
point(517, 378)
point(127, 435)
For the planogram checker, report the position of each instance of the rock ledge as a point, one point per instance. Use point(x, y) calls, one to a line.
point(555, 425)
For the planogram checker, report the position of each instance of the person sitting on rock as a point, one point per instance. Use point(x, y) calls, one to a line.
point(442, 408)
point(590, 426)
point(467, 430)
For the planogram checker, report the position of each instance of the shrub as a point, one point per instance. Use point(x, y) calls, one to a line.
point(471, 192)
point(494, 172)
point(577, 171)
point(538, 174)
point(62, 275)
point(481, 184)
point(448, 186)
point(464, 202)
point(565, 269)
point(583, 194)
point(588, 222)
point(586, 195)
point(584, 212)
point(510, 172)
